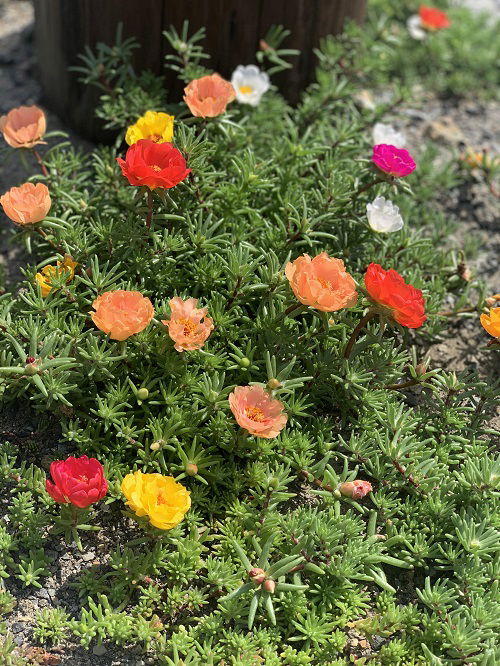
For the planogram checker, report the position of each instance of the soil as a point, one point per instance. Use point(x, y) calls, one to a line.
point(475, 209)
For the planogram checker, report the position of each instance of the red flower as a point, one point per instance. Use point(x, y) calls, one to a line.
point(400, 301)
point(355, 489)
point(153, 164)
point(432, 18)
point(77, 481)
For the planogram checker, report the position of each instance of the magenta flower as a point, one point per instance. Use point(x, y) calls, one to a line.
point(396, 162)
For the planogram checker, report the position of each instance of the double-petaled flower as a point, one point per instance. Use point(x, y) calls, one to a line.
point(27, 204)
point(153, 125)
point(428, 19)
point(393, 161)
point(45, 277)
point(257, 411)
point(122, 313)
point(208, 96)
point(188, 326)
point(153, 165)
point(491, 322)
point(23, 127)
point(249, 84)
point(77, 481)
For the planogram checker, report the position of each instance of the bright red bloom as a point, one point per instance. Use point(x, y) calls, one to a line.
point(396, 162)
point(400, 301)
point(153, 164)
point(355, 489)
point(432, 18)
point(77, 481)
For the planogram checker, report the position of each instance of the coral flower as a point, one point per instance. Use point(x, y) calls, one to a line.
point(396, 162)
point(394, 298)
point(27, 204)
point(188, 325)
point(161, 498)
point(23, 127)
point(122, 313)
point(77, 481)
point(153, 164)
point(321, 282)
point(256, 411)
point(491, 322)
point(208, 97)
point(48, 273)
point(432, 18)
point(355, 489)
point(153, 125)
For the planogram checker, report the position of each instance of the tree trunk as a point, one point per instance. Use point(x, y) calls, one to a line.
point(234, 28)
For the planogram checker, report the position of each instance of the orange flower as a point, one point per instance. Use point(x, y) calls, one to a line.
point(321, 282)
point(491, 322)
point(23, 127)
point(188, 325)
point(208, 97)
point(433, 19)
point(122, 313)
point(26, 204)
point(256, 411)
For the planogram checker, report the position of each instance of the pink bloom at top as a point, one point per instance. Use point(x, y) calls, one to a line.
point(355, 489)
point(188, 325)
point(256, 411)
point(396, 162)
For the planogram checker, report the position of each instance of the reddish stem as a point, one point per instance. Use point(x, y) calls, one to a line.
point(355, 334)
point(150, 210)
point(39, 159)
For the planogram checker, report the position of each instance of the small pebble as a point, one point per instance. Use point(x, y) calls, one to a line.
point(98, 650)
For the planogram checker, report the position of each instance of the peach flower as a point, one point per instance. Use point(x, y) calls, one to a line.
point(256, 411)
point(188, 325)
point(23, 127)
point(26, 204)
point(122, 313)
point(208, 97)
point(321, 282)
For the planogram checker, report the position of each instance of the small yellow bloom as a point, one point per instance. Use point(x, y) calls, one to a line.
point(159, 497)
point(491, 322)
point(153, 125)
point(44, 278)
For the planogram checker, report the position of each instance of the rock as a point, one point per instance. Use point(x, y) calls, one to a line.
point(18, 627)
point(99, 650)
point(87, 557)
point(445, 129)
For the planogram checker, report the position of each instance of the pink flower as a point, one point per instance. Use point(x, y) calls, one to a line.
point(77, 481)
point(396, 162)
point(355, 489)
point(188, 325)
point(256, 411)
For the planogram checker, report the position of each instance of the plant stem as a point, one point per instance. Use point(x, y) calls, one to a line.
point(39, 159)
point(150, 209)
point(367, 186)
point(42, 233)
point(451, 313)
point(397, 387)
point(355, 334)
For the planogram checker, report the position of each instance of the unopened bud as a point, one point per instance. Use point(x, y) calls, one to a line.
point(155, 446)
point(257, 575)
point(355, 489)
point(490, 301)
point(273, 483)
point(273, 384)
point(464, 272)
point(245, 362)
point(30, 359)
point(142, 394)
point(31, 369)
point(191, 469)
point(269, 586)
point(83, 204)
point(264, 46)
point(421, 369)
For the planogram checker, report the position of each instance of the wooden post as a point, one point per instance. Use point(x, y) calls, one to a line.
point(234, 27)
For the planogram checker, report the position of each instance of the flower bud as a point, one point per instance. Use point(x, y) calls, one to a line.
point(273, 483)
point(269, 586)
point(244, 362)
point(464, 272)
point(142, 394)
point(421, 369)
point(191, 469)
point(355, 489)
point(273, 384)
point(155, 446)
point(31, 369)
point(257, 575)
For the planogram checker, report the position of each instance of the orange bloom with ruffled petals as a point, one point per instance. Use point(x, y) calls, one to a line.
point(23, 127)
point(433, 19)
point(491, 322)
point(188, 325)
point(255, 410)
point(27, 204)
point(208, 96)
point(122, 313)
point(321, 282)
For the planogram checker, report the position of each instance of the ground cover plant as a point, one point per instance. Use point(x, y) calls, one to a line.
point(227, 313)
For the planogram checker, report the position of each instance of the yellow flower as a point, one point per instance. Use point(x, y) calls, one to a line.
point(491, 322)
point(44, 278)
point(153, 125)
point(159, 497)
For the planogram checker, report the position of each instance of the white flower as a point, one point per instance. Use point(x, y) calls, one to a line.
point(250, 84)
point(383, 133)
point(383, 215)
point(415, 28)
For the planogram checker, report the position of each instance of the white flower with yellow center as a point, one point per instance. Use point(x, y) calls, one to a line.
point(383, 216)
point(383, 133)
point(415, 27)
point(250, 84)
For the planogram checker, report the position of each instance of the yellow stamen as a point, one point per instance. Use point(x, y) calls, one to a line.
point(246, 89)
point(255, 414)
point(326, 284)
point(155, 167)
point(154, 137)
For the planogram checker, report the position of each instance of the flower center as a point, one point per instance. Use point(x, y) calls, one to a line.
point(155, 167)
point(246, 89)
point(326, 284)
point(255, 414)
point(154, 137)
point(160, 499)
point(189, 326)
point(83, 477)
